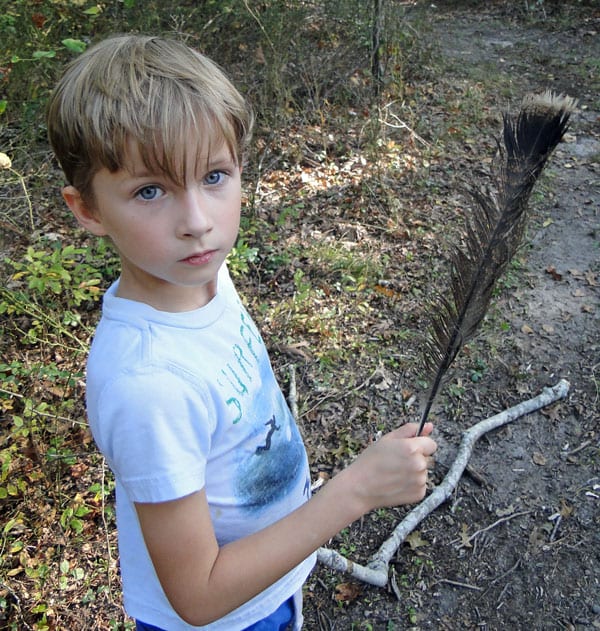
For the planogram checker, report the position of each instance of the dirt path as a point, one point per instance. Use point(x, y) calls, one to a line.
point(536, 500)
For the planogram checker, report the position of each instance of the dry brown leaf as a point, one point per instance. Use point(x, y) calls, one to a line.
point(552, 412)
point(566, 510)
point(415, 541)
point(347, 592)
point(504, 512)
point(552, 271)
point(464, 537)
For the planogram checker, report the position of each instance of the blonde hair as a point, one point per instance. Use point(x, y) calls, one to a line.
point(156, 92)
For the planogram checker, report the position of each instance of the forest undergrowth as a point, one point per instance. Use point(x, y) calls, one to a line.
point(352, 188)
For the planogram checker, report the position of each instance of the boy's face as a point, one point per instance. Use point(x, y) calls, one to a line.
point(172, 239)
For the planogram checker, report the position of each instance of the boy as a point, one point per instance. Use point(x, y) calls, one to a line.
point(216, 527)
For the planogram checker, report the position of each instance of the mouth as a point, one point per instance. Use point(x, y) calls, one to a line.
point(200, 258)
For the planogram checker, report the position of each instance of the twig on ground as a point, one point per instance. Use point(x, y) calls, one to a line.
point(584, 444)
point(505, 574)
point(376, 570)
point(465, 542)
point(447, 581)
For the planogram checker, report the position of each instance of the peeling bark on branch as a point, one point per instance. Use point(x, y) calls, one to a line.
point(377, 569)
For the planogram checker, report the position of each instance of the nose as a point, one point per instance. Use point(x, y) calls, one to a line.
point(194, 218)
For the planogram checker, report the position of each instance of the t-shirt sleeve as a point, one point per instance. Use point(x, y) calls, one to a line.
point(154, 428)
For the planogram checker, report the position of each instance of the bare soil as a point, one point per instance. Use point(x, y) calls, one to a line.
point(534, 494)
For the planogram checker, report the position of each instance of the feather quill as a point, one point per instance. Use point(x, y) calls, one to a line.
point(494, 231)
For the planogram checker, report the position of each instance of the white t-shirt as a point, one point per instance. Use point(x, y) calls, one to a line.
point(178, 402)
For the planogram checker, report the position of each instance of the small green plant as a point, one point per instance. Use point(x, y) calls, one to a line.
point(347, 546)
point(478, 370)
point(37, 39)
point(49, 286)
point(412, 615)
point(72, 517)
point(456, 390)
point(240, 257)
point(62, 271)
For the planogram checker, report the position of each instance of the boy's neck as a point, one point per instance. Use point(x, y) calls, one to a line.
point(164, 296)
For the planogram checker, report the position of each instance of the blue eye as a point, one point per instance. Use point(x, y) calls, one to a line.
point(149, 193)
point(214, 177)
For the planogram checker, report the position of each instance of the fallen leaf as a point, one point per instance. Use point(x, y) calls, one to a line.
point(536, 538)
point(381, 380)
point(414, 540)
point(566, 510)
point(77, 470)
point(464, 537)
point(503, 512)
point(38, 19)
point(552, 271)
point(539, 458)
point(347, 592)
point(552, 412)
point(386, 291)
point(590, 278)
point(406, 394)
point(259, 55)
point(526, 329)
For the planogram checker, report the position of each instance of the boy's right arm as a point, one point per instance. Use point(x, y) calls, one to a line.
point(204, 582)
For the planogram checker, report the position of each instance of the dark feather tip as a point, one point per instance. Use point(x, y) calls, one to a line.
point(494, 230)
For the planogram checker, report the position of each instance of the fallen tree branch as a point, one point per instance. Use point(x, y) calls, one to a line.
point(376, 570)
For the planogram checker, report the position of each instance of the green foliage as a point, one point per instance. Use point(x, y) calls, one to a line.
point(243, 255)
point(37, 39)
point(61, 270)
point(48, 287)
point(279, 73)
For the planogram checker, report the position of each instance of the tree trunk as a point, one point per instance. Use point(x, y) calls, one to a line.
point(377, 35)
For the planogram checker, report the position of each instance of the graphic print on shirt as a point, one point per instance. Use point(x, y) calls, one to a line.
point(236, 376)
point(274, 427)
point(272, 462)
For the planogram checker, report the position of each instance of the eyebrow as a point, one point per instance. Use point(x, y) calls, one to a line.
point(212, 164)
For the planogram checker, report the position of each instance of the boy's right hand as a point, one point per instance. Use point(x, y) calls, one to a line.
point(393, 470)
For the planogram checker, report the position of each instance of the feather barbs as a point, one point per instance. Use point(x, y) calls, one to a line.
point(494, 230)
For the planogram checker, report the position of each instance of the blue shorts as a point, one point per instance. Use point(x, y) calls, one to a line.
point(279, 620)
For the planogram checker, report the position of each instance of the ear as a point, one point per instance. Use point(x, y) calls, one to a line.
point(84, 214)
